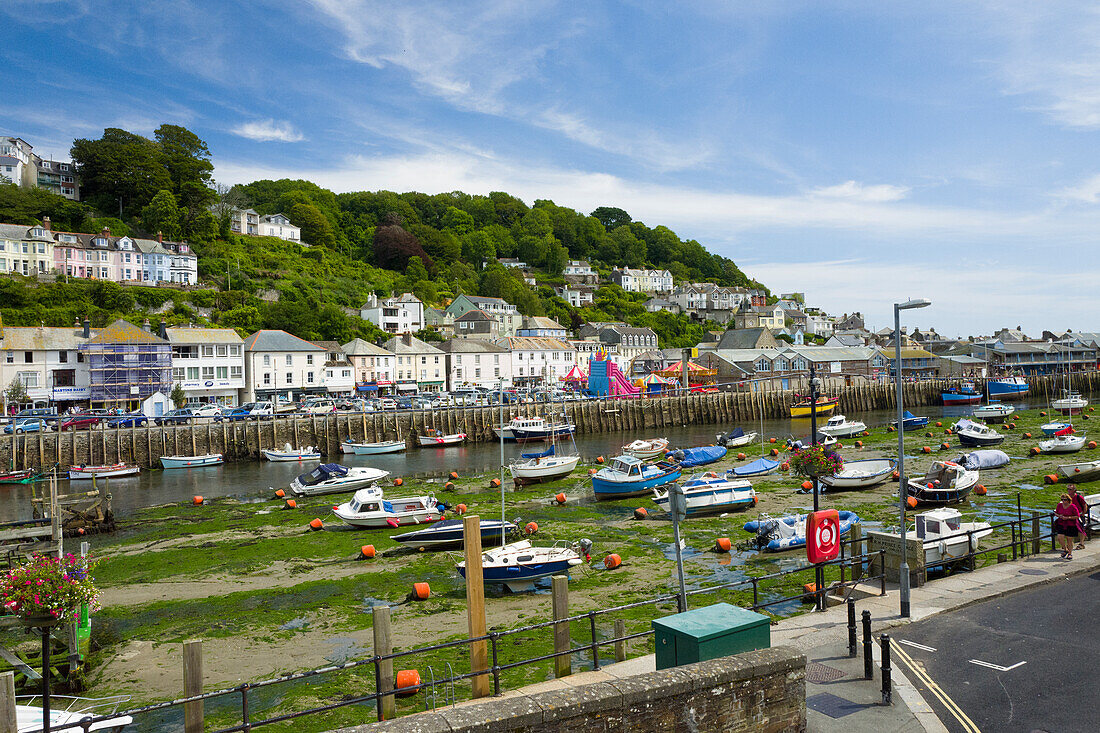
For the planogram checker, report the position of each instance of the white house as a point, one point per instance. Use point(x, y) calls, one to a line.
point(476, 363)
point(419, 365)
point(208, 363)
point(506, 314)
point(48, 363)
point(643, 281)
point(372, 366)
point(339, 377)
point(402, 314)
point(577, 296)
point(278, 364)
point(538, 361)
point(278, 225)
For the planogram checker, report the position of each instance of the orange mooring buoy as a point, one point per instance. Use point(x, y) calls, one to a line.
point(406, 683)
point(366, 552)
point(196, 500)
point(722, 544)
point(420, 592)
point(316, 524)
point(560, 498)
point(612, 561)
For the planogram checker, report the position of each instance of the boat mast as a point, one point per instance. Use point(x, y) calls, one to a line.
point(501, 433)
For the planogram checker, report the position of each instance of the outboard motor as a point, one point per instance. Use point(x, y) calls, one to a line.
point(767, 532)
point(583, 546)
point(677, 455)
point(722, 440)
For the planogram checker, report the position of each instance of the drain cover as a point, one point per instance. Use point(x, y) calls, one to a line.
point(1033, 571)
point(831, 705)
point(818, 673)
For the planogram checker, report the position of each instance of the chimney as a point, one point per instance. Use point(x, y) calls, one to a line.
point(146, 326)
point(160, 237)
point(407, 339)
point(87, 328)
point(106, 231)
point(46, 223)
point(162, 330)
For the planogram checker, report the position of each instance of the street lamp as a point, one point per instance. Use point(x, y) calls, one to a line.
point(903, 571)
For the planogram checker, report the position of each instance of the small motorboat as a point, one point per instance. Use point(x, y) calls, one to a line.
point(759, 467)
point(839, 426)
point(518, 565)
point(701, 456)
point(794, 444)
point(373, 449)
point(66, 713)
point(825, 405)
point(909, 421)
point(1007, 388)
point(507, 430)
point(368, 510)
point(546, 431)
point(734, 438)
point(440, 440)
point(25, 476)
point(646, 450)
point(289, 453)
point(1064, 441)
point(629, 476)
point(946, 537)
point(709, 493)
point(210, 459)
point(332, 478)
point(448, 533)
point(113, 470)
point(789, 532)
point(1087, 471)
point(1071, 404)
point(543, 466)
point(964, 394)
point(1052, 428)
point(993, 412)
point(979, 459)
point(976, 434)
point(860, 474)
point(946, 482)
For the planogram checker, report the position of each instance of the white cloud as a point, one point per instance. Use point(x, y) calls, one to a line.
point(1087, 191)
point(268, 131)
point(858, 192)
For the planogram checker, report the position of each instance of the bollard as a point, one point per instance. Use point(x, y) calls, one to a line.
point(868, 661)
point(853, 647)
point(1002, 557)
point(887, 693)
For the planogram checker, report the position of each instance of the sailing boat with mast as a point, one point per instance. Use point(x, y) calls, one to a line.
point(1064, 439)
point(762, 466)
point(548, 465)
point(382, 446)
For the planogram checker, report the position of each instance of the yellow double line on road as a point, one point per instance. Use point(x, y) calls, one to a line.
point(941, 695)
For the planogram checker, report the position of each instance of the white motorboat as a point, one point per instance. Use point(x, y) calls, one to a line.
point(860, 474)
point(332, 478)
point(645, 450)
point(210, 459)
point(1071, 404)
point(373, 449)
point(1066, 443)
point(735, 438)
point(946, 537)
point(1086, 471)
point(289, 453)
point(839, 426)
point(709, 493)
point(518, 565)
point(976, 434)
point(507, 430)
point(113, 470)
point(368, 510)
point(946, 482)
point(439, 440)
point(70, 711)
point(543, 466)
point(993, 412)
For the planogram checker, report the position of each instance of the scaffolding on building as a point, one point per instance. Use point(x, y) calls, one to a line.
point(127, 365)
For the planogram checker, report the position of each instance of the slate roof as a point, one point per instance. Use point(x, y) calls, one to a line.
point(124, 332)
point(277, 341)
point(188, 335)
point(359, 347)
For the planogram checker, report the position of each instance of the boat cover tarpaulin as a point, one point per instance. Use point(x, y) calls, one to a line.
point(759, 466)
point(964, 424)
point(907, 415)
point(548, 452)
point(735, 433)
point(979, 459)
point(700, 456)
point(1068, 430)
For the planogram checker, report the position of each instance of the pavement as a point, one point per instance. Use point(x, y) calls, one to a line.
point(937, 692)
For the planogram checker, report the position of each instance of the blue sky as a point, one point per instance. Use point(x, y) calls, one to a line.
point(859, 152)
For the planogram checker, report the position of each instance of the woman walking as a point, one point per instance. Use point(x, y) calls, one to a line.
point(1083, 507)
point(1066, 517)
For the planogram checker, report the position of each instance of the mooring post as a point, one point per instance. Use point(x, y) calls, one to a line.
point(887, 692)
point(475, 604)
point(563, 665)
point(868, 661)
point(853, 646)
point(7, 702)
point(620, 645)
point(192, 685)
point(1036, 547)
point(380, 621)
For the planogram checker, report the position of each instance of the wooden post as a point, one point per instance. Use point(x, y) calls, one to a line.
point(475, 603)
point(192, 685)
point(563, 665)
point(382, 647)
point(620, 646)
point(7, 702)
point(1036, 545)
point(857, 549)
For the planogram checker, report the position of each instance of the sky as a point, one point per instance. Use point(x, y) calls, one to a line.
point(861, 153)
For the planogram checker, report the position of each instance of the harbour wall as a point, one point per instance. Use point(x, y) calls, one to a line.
point(243, 440)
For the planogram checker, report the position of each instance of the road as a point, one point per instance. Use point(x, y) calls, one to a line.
point(1023, 662)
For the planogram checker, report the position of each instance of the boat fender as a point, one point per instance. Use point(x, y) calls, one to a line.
point(755, 499)
point(980, 490)
point(807, 485)
point(398, 481)
point(722, 544)
point(928, 434)
point(612, 561)
point(640, 513)
point(1027, 435)
point(453, 475)
point(448, 486)
point(335, 507)
point(1035, 451)
point(393, 522)
point(1076, 469)
point(460, 508)
point(560, 499)
point(420, 592)
point(316, 524)
point(859, 444)
point(495, 483)
point(196, 500)
point(948, 431)
point(939, 424)
point(911, 502)
point(280, 493)
point(441, 508)
point(366, 552)
point(290, 504)
point(775, 452)
point(1050, 478)
point(531, 528)
point(407, 683)
point(944, 445)
point(896, 475)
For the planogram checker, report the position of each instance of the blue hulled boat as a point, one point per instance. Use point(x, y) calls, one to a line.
point(964, 394)
point(909, 421)
point(759, 467)
point(519, 565)
point(691, 457)
point(787, 533)
point(1007, 388)
point(628, 476)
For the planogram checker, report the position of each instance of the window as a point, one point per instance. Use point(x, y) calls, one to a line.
point(222, 350)
point(208, 372)
point(345, 373)
point(477, 374)
point(267, 360)
point(207, 350)
point(64, 378)
point(63, 357)
point(267, 378)
point(309, 359)
point(423, 360)
point(235, 350)
point(289, 360)
point(236, 372)
point(289, 378)
point(177, 374)
point(28, 357)
point(223, 372)
point(192, 372)
point(309, 378)
point(762, 365)
point(29, 379)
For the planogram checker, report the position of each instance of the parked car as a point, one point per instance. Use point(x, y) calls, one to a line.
point(247, 411)
point(387, 403)
point(404, 403)
point(79, 421)
point(175, 417)
point(318, 406)
point(26, 425)
point(133, 420)
point(206, 410)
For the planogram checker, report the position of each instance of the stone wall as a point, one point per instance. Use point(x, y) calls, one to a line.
point(762, 692)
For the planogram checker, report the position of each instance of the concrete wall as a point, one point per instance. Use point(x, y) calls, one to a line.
point(762, 691)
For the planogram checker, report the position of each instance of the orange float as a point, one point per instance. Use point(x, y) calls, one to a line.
point(420, 592)
point(196, 500)
point(723, 544)
point(560, 498)
point(316, 524)
point(640, 513)
point(406, 683)
point(612, 561)
point(366, 552)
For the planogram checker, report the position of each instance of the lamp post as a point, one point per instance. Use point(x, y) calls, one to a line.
point(903, 571)
point(819, 571)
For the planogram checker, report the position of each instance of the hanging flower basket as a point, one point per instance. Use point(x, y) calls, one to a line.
point(48, 589)
point(816, 461)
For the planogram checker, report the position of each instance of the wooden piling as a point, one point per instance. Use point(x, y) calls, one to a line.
point(563, 665)
point(382, 647)
point(192, 686)
point(7, 702)
point(620, 645)
point(475, 604)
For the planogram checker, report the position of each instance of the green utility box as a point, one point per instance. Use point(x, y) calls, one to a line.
point(708, 633)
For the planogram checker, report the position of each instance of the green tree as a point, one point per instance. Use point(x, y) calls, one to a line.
point(457, 221)
point(316, 229)
point(244, 318)
point(15, 394)
point(611, 217)
point(120, 170)
point(187, 159)
point(477, 247)
point(162, 215)
point(95, 226)
point(178, 396)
